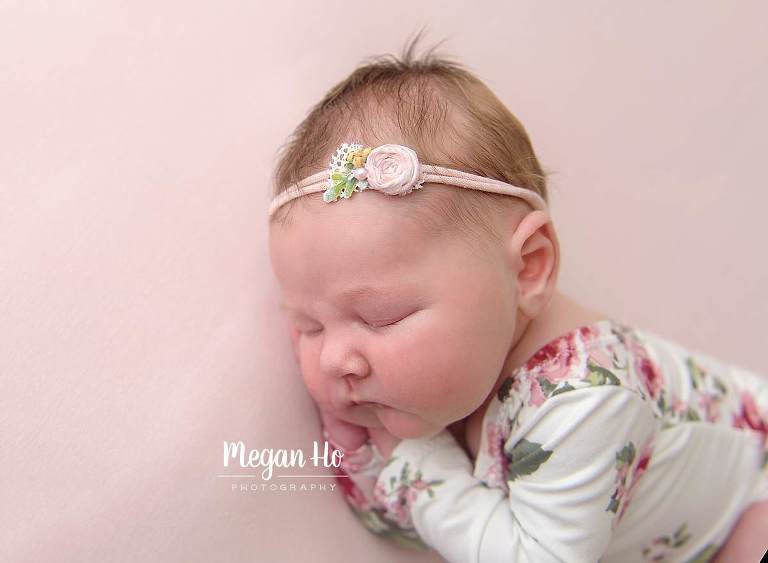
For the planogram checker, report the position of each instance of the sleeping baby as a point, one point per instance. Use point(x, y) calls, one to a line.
point(483, 413)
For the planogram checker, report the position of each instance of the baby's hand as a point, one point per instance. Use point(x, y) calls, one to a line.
point(384, 441)
point(347, 435)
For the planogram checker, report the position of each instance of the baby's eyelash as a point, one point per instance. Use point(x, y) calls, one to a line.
point(315, 332)
point(311, 332)
point(390, 324)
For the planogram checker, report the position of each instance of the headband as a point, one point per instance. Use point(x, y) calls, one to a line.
point(393, 170)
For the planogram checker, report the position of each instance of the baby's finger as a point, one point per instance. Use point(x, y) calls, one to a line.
point(347, 435)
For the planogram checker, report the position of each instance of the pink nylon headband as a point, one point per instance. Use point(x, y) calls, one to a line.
point(393, 170)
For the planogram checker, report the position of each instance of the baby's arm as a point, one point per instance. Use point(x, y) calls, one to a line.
point(360, 467)
point(569, 475)
point(749, 539)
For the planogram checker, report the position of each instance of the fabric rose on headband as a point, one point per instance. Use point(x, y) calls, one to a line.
point(390, 169)
point(393, 169)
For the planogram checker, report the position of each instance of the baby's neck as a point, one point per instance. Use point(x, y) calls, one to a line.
point(560, 316)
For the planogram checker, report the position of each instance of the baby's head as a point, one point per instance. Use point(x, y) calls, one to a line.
point(411, 302)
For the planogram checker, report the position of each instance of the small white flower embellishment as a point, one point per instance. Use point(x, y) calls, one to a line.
point(390, 169)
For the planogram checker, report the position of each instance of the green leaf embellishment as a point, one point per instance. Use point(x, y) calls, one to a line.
point(332, 193)
point(343, 182)
point(525, 458)
point(598, 375)
point(613, 504)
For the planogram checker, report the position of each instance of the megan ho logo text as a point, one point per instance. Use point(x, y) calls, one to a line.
point(269, 458)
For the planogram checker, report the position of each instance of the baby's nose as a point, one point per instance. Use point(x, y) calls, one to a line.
point(340, 360)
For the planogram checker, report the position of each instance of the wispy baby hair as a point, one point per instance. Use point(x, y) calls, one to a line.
point(438, 108)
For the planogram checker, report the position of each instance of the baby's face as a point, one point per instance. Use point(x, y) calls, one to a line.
point(427, 339)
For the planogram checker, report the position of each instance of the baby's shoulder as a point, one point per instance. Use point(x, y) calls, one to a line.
point(605, 353)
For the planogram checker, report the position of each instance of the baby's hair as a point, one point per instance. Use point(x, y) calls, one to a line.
point(438, 108)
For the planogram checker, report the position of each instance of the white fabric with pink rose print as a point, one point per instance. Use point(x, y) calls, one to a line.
point(610, 444)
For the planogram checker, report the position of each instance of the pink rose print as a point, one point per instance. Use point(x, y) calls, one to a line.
point(626, 485)
point(393, 169)
point(647, 370)
point(397, 502)
point(589, 334)
point(550, 365)
point(537, 395)
point(750, 416)
point(662, 547)
point(496, 475)
point(547, 372)
point(679, 407)
point(554, 359)
point(353, 494)
point(711, 405)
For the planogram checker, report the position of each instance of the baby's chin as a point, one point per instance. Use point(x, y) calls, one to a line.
point(407, 426)
point(361, 416)
point(398, 423)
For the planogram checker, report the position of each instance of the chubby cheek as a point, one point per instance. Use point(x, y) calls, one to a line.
point(313, 380)
point(426, 374)
point(451, 370)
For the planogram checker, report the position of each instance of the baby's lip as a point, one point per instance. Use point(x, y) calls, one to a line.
point(358, 402)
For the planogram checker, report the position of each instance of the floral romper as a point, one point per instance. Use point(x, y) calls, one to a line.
point(610, 444)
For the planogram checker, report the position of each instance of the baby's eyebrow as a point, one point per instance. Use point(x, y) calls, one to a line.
point(354, 294)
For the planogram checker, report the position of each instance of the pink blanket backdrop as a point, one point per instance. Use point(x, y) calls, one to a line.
point(138, 313)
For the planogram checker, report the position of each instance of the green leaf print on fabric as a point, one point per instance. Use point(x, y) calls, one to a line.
point(401, 493)
point(705, 555)
point(692, 415)
point(525, 458)
point(616, 363)
point(562, 389)
point(546, 387)
point(695, 372)
point(708, 401)
point(624, 459)
point(661, 547)
point(598, 375)
point(374, 522)
point(504, 390)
